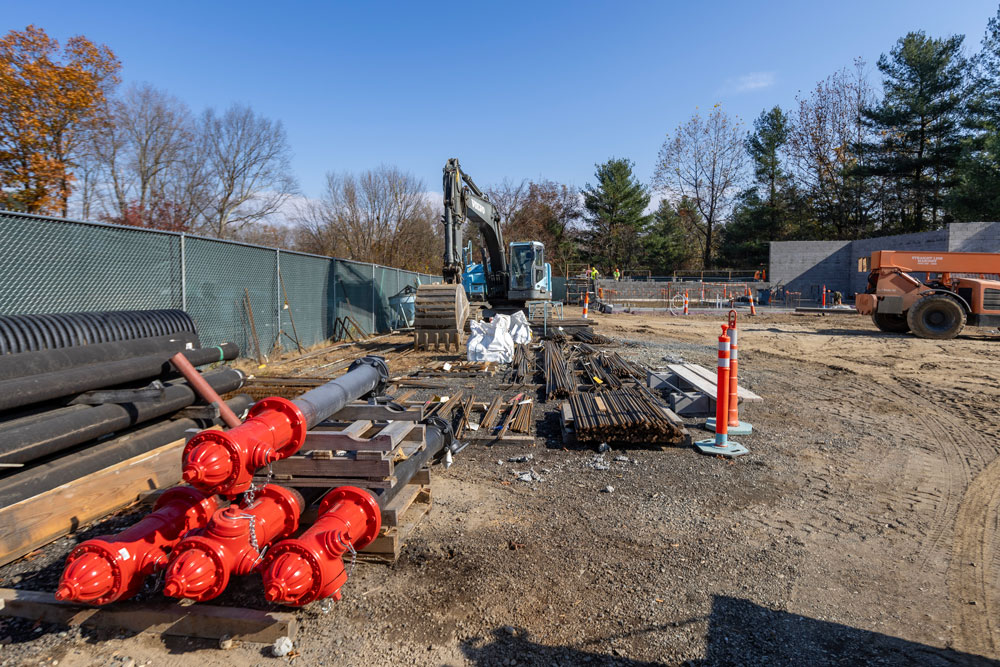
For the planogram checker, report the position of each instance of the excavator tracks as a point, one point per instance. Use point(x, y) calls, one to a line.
point(441, 311)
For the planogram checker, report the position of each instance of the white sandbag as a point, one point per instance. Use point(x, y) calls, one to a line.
point(491, 341)
point(520, 329)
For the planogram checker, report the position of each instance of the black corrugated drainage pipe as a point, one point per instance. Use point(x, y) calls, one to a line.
point(36, 388)
point(22, 442)
point(46, 361)
point(31, 333)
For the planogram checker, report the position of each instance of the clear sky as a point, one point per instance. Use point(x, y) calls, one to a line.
point(513, 89)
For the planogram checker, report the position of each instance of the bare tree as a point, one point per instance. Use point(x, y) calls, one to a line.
point(247, 160)
point(826, 146)
point(144, 166)
point(703, 161)
point(508, 198)
point(381, 215)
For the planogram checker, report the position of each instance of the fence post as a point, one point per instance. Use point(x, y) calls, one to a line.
point(333, 267)
point(184, 301)
point(373, 299)
point(277, 299)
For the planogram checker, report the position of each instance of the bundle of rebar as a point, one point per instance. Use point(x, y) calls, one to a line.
point(597, 369)
point(627, 415)
point(520, 420)
point(587, 335)
point(559, 379)
point(522, 367)
point(623, 368)
point(491, 414)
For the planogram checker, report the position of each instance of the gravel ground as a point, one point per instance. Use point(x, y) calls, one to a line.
point(860, 529)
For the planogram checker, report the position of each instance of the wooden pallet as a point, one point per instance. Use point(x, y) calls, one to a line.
point(399, 518)
point(361, 453)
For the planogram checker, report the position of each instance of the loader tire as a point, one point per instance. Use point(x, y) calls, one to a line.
point(937, 316)
point(890, 323)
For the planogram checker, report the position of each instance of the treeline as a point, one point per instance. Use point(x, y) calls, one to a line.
point(848, 160)
point(72, 141)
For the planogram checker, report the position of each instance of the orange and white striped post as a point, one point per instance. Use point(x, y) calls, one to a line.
point(734, 425)
point(824, 296)
point(721, 445)
point(685, 303)
point(586, 303)
point(753, 309)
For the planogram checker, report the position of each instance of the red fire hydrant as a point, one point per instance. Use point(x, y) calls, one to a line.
point(232, 543)
point(114, 567)
point(310, 567)
point(224, 462)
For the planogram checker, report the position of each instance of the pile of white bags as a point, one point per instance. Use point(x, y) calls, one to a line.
point(491, 341)
point(520, 330)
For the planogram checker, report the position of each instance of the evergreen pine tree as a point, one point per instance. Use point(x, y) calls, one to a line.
point(616, 216)
point(919, 122)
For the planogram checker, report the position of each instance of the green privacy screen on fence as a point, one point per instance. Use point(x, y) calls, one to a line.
point(51, 265)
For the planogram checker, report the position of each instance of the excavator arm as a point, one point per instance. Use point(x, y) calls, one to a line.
point(463, 200)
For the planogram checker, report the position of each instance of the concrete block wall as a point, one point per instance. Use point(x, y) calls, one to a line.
point(805, 266)
point(974, 237)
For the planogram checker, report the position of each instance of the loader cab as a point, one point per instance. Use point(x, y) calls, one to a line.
point(530, 276)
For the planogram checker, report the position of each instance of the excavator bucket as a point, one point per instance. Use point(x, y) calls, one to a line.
point(441, 311)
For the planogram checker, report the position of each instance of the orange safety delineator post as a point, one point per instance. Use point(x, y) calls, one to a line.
point(824, 296)
point(685, 303)
point(721, 445)
point(753, 309)
point(733, 424)
point(600, 293)
point(586, 303)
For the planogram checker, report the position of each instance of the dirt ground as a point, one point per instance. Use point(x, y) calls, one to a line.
point(862, 528)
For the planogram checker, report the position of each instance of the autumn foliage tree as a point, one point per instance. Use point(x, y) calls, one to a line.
point(50, 97)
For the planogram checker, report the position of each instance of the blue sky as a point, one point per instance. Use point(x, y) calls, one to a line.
point(514, 89)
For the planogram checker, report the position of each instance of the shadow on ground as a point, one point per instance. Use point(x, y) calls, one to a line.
point(739, 633)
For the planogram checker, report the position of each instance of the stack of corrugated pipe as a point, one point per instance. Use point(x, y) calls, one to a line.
point(81, 392)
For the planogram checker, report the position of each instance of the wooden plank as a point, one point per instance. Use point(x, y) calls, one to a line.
point(378, 413)
point(338, 466)
point(702, 384)
point(743, 394)
point(387, 546)
point(328, 482)
point(384, 441)
point(392, 512)
point(36, 521)
point(165, 618)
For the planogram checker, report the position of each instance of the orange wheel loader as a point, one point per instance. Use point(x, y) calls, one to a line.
point(932, 294)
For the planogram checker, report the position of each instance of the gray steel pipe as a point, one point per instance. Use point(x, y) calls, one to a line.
point(33, 438)
point(56, 384)
point(365, 375)
point(437, 436)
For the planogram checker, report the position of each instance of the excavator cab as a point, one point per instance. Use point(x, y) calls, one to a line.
point(530, 276)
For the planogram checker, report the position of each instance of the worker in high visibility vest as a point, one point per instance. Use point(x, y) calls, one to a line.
point(594, 274)
point(618, 274)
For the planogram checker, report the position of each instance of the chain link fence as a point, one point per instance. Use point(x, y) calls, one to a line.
point(231, 290)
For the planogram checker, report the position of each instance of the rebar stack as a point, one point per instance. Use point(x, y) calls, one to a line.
point(627, 415)
point(559, 379)
point(587, 335)
point(522, 367)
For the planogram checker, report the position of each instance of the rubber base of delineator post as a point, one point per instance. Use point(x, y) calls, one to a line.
point(730, 451)
point(745, 428)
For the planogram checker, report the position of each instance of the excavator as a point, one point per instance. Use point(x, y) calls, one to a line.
point(441, 309)
point(931, 294)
